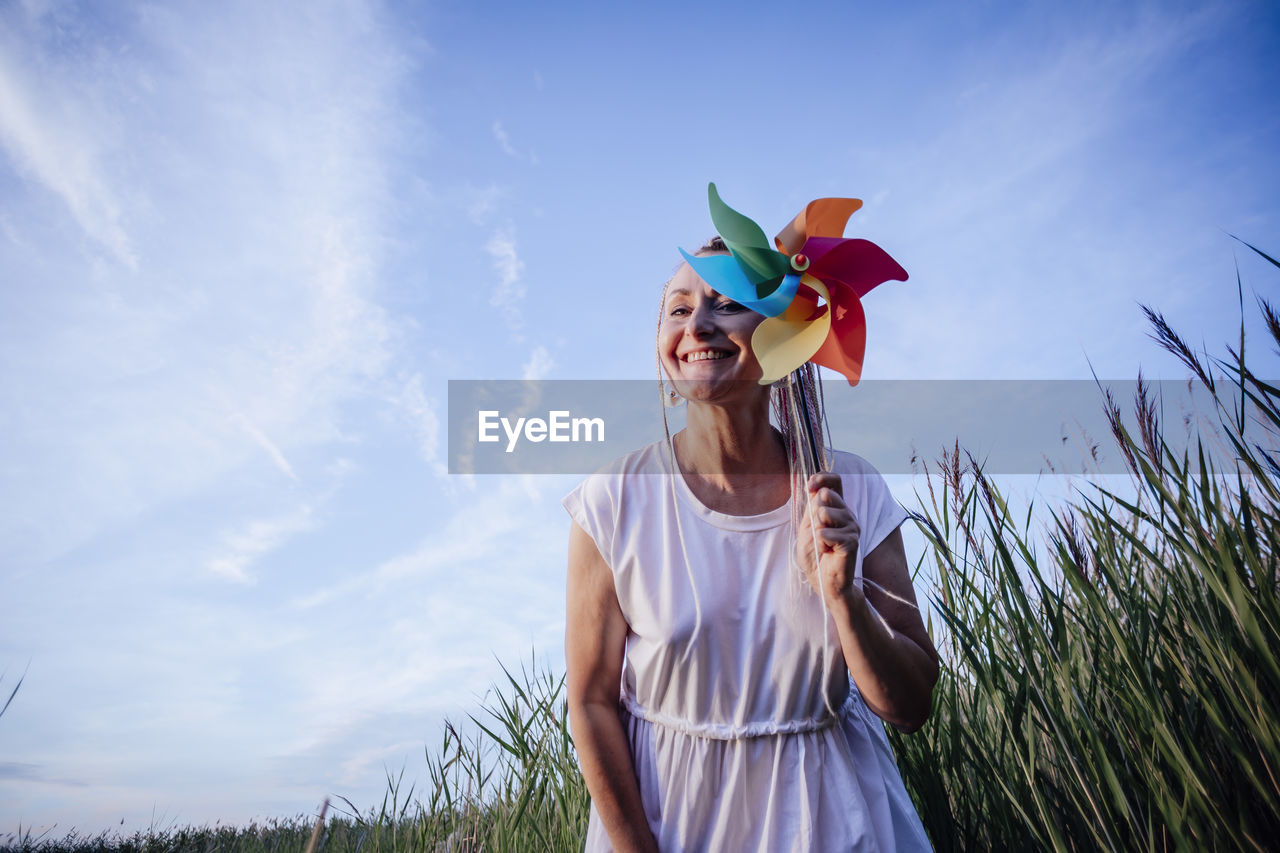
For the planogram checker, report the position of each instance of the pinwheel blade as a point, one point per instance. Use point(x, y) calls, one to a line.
point(822, 217)
point(783, 343)
point(845, 346)
point(747, 243)
point(860, 264)
point(726, 276)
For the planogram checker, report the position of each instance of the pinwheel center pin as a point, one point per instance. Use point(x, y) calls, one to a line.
point(799, 262)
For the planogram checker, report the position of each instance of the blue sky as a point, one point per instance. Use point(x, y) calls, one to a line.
point(243, 247)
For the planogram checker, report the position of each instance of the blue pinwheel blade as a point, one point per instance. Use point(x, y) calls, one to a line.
point(726, 276)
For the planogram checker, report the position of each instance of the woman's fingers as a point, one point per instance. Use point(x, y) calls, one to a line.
point(838, 539)
point(828, 509)
point(832, 516)
point(825, 479)
point(836, 528)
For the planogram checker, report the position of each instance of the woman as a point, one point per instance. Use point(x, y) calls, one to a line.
point(709, 692)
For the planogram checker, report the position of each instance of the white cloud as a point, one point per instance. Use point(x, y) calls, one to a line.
point(502, 249)
point(272, 450)
point(456, 543)
point(506, 262)
point(480, 202)
point(42, 131)
point(246, 546)
point(421, 412)
point(504, 141)
point(539, 364)
point(242, 315)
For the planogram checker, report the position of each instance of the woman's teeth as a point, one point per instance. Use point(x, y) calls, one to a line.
point(705, 356)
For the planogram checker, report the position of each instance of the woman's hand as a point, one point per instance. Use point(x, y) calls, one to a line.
point(837, 534)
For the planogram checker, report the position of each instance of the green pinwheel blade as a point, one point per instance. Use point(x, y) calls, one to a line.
point(745, 239)
point(732, 225)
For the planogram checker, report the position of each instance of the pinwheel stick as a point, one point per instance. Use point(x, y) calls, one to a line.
point(805, 410)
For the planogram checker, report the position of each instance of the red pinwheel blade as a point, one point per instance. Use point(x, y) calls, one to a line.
point(846, 343)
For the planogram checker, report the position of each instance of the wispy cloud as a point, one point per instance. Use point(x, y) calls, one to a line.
point(431, 598)
point(504, 142)
point(43, 131)
point(481, 202)
point(272, 450)
point(242, 548)
point(501, 249)
point(241, 318)
point(33, 773)
point(539, 364)
point(424, 421)
point(448, 549)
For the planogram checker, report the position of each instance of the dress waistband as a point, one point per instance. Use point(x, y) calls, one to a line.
point(727, 731)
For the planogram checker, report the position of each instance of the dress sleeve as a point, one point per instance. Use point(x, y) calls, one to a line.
point(868, 495)
point(593, 507)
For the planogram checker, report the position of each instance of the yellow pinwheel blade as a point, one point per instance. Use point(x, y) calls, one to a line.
point(783, 343)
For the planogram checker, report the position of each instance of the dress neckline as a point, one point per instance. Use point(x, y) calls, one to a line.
point(762, 521)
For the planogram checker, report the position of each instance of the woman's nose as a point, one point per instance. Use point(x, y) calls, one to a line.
point(704, 320)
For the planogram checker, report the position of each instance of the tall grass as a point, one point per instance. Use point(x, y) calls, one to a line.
point(506, 780)
point(513, 784)
point(1111, 669)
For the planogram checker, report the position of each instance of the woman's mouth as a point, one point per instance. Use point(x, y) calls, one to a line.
point(703, 355)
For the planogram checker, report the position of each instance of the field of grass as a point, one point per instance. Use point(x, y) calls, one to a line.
point(1111, 673)
point(1112, 667)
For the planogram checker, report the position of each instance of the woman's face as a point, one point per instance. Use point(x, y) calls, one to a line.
point(704, 342)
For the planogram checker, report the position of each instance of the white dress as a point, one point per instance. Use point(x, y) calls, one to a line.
point(737, 742)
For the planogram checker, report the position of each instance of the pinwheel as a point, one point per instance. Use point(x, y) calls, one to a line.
point(810, 288)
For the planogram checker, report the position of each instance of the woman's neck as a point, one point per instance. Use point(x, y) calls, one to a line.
point(733, 459)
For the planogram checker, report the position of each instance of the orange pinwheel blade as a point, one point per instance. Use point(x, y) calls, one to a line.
point(822, 217)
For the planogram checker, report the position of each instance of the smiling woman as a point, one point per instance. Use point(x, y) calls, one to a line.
point(738, 626)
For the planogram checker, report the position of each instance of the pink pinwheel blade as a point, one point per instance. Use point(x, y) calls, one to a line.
point(815, 248)
point(860, 264)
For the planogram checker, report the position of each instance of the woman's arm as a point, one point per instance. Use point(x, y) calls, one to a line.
point(893, 661)
point(594, 638)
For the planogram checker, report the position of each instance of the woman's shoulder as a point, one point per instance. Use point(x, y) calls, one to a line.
point(844, 462)
point(626, 472)
point(867, 493)
point(597, 504)
point(646, 460)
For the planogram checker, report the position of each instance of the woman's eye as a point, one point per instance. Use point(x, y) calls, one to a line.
point(729, 305)
point(679, 311)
